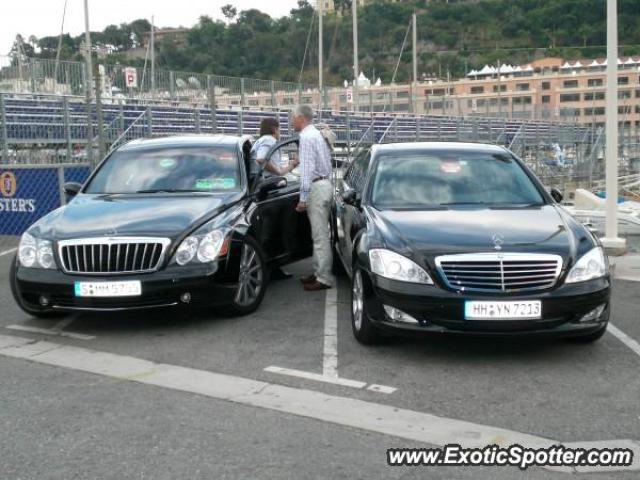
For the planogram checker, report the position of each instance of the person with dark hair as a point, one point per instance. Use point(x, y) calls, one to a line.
point(270, 136)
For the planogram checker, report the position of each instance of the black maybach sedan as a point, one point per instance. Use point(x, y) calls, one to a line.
point(163, 222)
point(463, 238)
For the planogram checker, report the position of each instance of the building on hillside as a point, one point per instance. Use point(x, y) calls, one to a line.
point(332, 5)
point(177, 35)
point(549, 89)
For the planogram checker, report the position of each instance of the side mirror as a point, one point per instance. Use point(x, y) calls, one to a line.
point(556, 195)
point(270, 184)
point(72, 188)
point(351, 197)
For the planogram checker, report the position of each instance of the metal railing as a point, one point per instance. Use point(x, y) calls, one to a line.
point(121, 83)
point(20, 75)
point(38, 129)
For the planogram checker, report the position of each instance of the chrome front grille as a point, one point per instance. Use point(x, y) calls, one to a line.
point(499, 272)
point(112, 256)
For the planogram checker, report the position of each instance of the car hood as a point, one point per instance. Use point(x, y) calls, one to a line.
point(164, 215)
point(431, 233)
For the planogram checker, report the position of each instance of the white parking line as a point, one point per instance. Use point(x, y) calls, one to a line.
point(374, 387)
point(624, 338)
point(316, 376)
point(7, 252)
point(385, 419)
point(330, 350)
point(56, 330)
point(330, 354)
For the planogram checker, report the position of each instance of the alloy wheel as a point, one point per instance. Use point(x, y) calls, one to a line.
point(250, 279)
point(357, 300)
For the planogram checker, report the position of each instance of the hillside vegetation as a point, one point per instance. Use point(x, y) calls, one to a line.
point(452, 36)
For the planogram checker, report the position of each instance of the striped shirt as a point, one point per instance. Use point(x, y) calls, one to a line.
point(315, 159)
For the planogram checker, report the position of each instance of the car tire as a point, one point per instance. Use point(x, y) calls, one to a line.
point(252, 278)
point(364, 331)
point(42, 314)
point(590, 337)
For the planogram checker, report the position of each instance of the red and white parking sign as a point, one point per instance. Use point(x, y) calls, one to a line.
point(131, 77)
point(349, 96)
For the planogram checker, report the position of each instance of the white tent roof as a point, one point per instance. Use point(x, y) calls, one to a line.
point(594, 64)
point(528, 68)
point(565, 65)
point(487, 70)
point(577, 64)
point(630, 61)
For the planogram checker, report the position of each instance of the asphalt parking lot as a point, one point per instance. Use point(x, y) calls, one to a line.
point(74, 422)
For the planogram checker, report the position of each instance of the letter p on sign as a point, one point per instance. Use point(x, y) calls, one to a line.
point(131, 77)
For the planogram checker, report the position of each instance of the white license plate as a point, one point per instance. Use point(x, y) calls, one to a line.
point(131, 288)
point(529, 310)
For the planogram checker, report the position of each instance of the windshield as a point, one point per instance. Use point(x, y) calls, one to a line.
point(177, 169)
point(437, 179)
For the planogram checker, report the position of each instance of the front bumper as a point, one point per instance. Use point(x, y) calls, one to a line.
point(164, 288)
point(439, 310)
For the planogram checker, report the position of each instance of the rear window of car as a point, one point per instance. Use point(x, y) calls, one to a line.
point(435, 179)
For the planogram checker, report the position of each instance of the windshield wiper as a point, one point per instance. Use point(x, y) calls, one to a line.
point(517, 205)
point(170, 190)
point(497, 205)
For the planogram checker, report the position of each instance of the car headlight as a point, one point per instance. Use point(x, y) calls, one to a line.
point(591, 265)
point(187, 250)
point(35, 252)
point(205, 247)
point(391, 265)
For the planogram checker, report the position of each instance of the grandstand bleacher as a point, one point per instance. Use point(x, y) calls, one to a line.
point(52, 120)
point(49, 129)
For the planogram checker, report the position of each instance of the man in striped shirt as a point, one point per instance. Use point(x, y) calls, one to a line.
point(316, 195)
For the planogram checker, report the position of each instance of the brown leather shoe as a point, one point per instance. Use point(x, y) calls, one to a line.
point(316, 286)
point(308, 279)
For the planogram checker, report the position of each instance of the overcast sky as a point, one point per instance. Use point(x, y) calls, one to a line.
point(43, 18)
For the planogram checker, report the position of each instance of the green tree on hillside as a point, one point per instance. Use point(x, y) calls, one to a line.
point(452, 36)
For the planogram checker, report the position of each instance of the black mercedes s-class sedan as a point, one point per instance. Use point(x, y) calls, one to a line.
point(463, 238)
point(163, 222)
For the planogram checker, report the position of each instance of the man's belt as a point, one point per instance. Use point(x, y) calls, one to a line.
point(317, 179)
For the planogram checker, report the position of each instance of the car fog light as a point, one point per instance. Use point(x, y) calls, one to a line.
point(399, 316)
point(185, 297)
point(594, 314)
point(44, 301)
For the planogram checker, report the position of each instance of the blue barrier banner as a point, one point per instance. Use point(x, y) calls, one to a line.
point(76, 174)
point(26, 194)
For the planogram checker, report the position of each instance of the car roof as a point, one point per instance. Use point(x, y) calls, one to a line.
point(439, 146)
point(185, 141)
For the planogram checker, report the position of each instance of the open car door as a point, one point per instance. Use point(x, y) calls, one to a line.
point(285, 233)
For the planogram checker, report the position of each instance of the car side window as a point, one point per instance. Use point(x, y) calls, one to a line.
point(357, 173)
